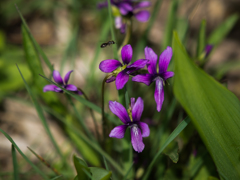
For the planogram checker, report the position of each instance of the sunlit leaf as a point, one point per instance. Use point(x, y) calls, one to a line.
point(100, 173)
point(214, 110)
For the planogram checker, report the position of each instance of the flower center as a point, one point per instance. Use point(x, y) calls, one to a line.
point(130, 113)
point(158, 77)
point(118, 70)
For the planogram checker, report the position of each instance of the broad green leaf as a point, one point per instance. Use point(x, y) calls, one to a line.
point(201, 39)
point(222, 30)
point(172, 136)
point(23, 155)
point(80, 166)
point(100, 173)
point(214, 110)
point(15, 164)
point(182, 28)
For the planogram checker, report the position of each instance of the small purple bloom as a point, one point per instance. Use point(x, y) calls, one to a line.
point(58, 79)
point(130, 118)
point(158, 77)
point(126, 9)
point(120, 72)
point(208, 49)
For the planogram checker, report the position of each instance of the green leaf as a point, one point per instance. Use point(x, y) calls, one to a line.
point(23, 155)
point(80, 166)
point(172, 136)
point(100, 173)
point(15, 165)
point(172, 151)
point(214, 110)
point(222, 30)
point(201, 39)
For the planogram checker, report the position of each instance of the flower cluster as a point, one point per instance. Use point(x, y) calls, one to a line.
point(123, 10)
point(120, 72)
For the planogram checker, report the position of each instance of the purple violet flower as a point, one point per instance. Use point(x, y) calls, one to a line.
point(120, 72)
point(208, 49)
point(130, 118)
point(159, 77)
point(127, 8)
point(58, 79)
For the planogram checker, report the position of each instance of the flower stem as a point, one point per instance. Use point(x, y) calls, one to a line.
point(127, 36)
point(112, 30)
point(104, 123)
point(80, 120)
point(92, 114)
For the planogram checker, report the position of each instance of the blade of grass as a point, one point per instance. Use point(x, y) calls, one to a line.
point(112, 30)
point(172, 136)
point(41, 116)
point(15, 165)
point(201, 38)
point(80, 119)
point(38, 48)
point(105, 163)
point(129, 170)
point(87, 140)
point(103, 36)
point(23, 155)
point(57, 177)
point(44, 161)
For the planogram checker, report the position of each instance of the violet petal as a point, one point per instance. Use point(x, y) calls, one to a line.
point(57, 77)
point(118, 22)
point(167, 75)
point(109, 65)
point(124, 8)
point(142, 16)
point(136, 139)
point(132, 102)
point(159, 93)
point(139, 64)
point(111, 79)
point(71, 87)
point(118, 132)
point(145, 129)
point(59, 90)
point(79, 92)
point(121, 79)
point(152, 57)
point(50, 87)
point(67, 76)
point(164, 59)
point(142, 4)
point(126, 53)
point(143, 78)
point(137, 109)
point(119, 111)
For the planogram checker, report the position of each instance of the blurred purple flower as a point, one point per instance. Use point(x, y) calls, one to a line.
point(121, 72)
point(159, 77)
point(130, 118)
point(208, 49)
point(128, 8)
point(58, 79)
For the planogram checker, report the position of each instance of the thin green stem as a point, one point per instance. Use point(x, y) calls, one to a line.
point(104, 123)
point(80, 120)
point(112, 30)
point(92, 114)
point(127, 36)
